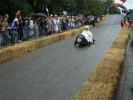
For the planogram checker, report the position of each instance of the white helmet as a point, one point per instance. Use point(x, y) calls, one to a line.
point(87, 27)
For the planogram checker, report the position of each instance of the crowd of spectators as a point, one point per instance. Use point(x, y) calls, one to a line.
point(36, 25)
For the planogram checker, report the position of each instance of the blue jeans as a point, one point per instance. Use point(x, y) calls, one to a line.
point(1, 40)
point(5, 38)
point(14, 36)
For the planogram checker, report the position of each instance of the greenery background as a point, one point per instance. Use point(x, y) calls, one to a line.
point(86, 7)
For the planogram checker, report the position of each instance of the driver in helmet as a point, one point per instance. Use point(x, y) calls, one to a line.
point(85, 38)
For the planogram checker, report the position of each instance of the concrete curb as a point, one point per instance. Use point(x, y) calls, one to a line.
point(103, 83)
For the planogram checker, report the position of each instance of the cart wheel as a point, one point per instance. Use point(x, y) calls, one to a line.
point(76, 45)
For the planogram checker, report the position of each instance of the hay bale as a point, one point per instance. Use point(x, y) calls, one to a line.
point(5, 55)
point(124, 31)
point(86, 88)
point(110, 64)
point(122, 39)
point(115, 54)
point(11, 53)
point(124, 35)
point(98, 91)
point(131, 25)
point(108, 71)
point(120, 42)
point(18, 52)
point(115, 59)
point(46, 41)
point(105, 75)
point(115, 51)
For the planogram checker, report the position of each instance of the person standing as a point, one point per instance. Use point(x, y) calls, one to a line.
point(36, 28)
point(14, 29)
point(50, 25)
point(20, 25)
point(124, 23)
point(56, 23)
point(5, 34)
point(1, 18)
point(31, 28)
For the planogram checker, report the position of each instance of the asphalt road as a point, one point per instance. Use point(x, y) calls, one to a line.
point(58, 71)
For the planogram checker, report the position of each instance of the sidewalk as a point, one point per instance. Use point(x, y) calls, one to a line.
point(124, 92)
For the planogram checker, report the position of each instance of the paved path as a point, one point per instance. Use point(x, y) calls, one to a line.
point(124, 92)
point(58, 71)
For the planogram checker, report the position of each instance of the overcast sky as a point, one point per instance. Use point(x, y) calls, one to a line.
point(128, 4)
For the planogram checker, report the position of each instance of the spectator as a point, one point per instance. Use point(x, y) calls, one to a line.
point(124, 22)
point(42, 22)
point(36, 28)
point(59, 24)
point(56, 24)
point(20, 25)
point(1, 18)
point(26, 29)
point(50, 25)
point(0, 39)
point(5, 33)
point(92, 19)
point(31, 28)
point(64, 23)
point(14, 28)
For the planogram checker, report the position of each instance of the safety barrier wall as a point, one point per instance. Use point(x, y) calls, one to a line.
point(103, 83)
point(19, 50)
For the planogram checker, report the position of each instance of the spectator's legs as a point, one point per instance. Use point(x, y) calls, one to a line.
point(1, 40)
point(25, 34)
point(6, 38)
point(20, 34)
point(14, 36)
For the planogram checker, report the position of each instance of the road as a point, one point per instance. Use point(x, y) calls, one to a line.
point(58, 71)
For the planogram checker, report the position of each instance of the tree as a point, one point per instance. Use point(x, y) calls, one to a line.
point(86, 7)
